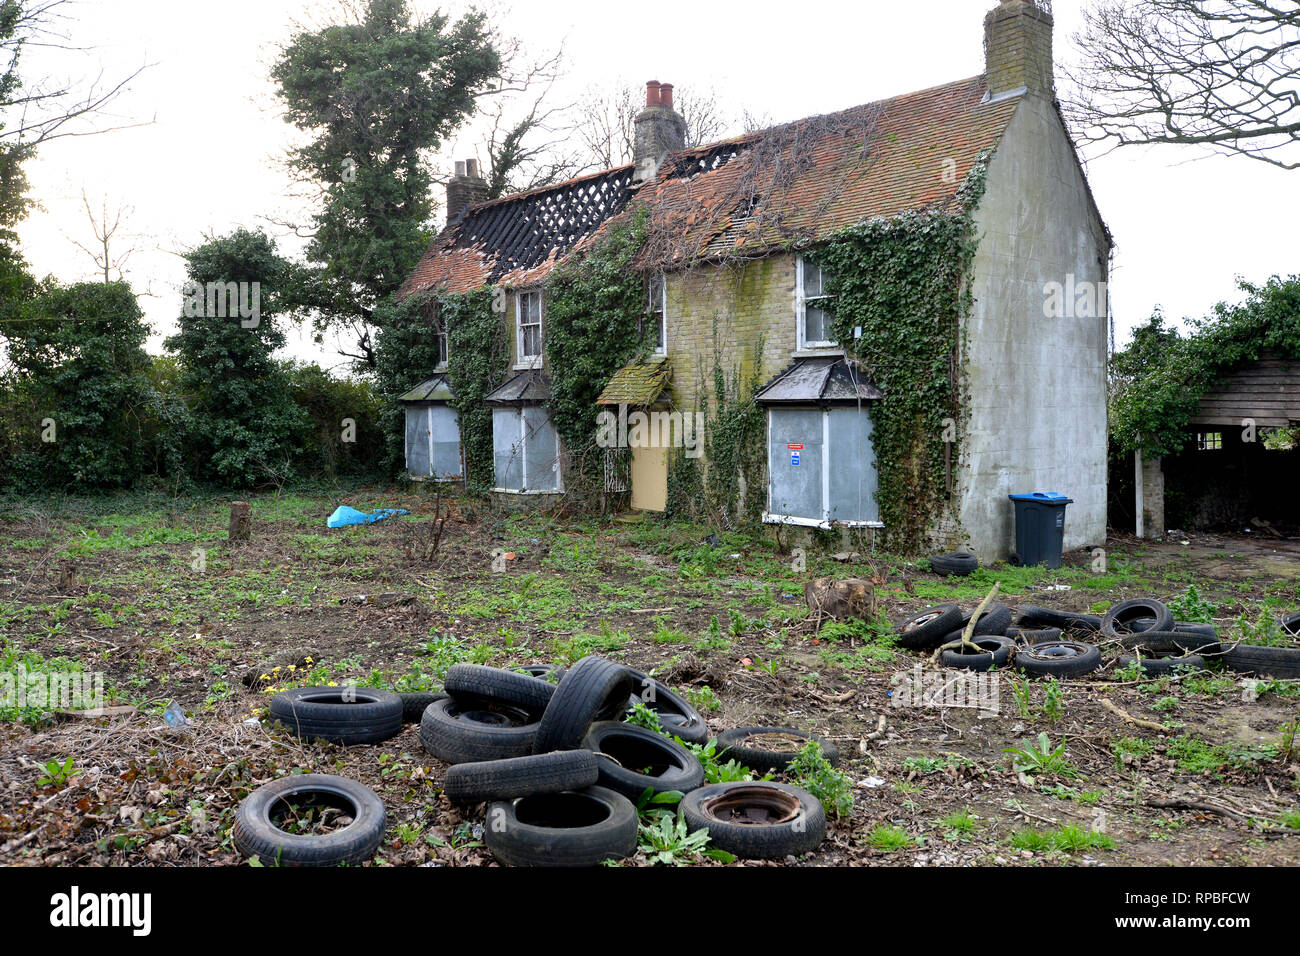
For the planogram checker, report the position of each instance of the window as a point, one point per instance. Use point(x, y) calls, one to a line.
point(528, 325)
point(433, 442)
point(657, 310)
point(821, 467)
point(814, 323)
point(1209, 441)
point(434, 318)
point(440, 347)
point(526, 448)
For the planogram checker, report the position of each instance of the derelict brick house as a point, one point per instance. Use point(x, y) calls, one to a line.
point(1034, 387)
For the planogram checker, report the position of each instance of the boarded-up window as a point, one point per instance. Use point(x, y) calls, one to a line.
point(433, 442)
point(526, 448)
point(821, 466)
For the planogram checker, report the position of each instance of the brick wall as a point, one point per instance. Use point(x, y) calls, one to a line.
point(718, 314)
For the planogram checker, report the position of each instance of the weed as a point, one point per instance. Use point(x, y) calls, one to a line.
point(889, 839)
point(1042, 758)
point(57, 774)
point(667, 840)
point(642, 716)
point(960, 824)
point(1022, 690)
point(1067, 839)
point(703, 699)
point(811, 770)
point(1130, 747)
point(1053, 701)
point(1189, 607)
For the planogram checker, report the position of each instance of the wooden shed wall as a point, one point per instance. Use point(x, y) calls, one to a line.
point(1267, 391)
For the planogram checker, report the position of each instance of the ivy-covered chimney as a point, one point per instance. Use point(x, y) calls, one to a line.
point(465, 189)
point(1018, 47)
point(659, 130)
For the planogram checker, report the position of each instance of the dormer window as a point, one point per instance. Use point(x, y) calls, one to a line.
point(528, 329)
point(812, 301)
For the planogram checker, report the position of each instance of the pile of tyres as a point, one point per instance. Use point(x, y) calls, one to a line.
point(547, 752)
point(1047, 643)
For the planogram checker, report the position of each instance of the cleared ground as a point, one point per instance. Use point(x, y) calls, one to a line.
point(168, 610)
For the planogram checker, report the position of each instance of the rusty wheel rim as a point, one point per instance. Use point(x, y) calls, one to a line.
point(753, 806)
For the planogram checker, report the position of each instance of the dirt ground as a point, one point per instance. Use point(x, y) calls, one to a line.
point(1196, 769)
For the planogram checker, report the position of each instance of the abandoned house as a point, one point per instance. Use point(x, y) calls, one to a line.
point(732, 282)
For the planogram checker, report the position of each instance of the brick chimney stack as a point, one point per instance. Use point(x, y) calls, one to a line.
point(1018, 47)
point(465, 189)
point(659, 130)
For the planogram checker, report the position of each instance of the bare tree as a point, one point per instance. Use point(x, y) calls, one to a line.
point(106, 251)
point(526, 143)
point(1220, 74)
point(34, 111)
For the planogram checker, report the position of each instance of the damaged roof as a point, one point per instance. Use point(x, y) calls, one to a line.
point(794, 183)
point(641, 383)
point(829, 380)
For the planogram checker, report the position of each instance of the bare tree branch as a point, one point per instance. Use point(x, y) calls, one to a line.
point(1220, 74)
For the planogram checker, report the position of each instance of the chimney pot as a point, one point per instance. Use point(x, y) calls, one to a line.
point(660, 130)
point(465, 189)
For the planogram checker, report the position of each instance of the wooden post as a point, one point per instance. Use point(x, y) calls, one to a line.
point(241, 520)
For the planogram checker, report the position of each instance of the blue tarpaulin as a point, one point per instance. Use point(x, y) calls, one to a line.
point(344, 516)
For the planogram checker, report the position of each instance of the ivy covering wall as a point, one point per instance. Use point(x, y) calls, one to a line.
point(477, 363)
point(901, 289)
point(595, 308)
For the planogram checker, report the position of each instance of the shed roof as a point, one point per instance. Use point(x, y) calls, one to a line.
point(829, 380)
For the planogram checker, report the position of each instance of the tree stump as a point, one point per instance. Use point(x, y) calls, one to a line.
point(849, 598)
point(241, 520)
point(67, 576)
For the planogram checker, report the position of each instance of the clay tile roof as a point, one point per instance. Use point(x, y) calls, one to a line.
point(791, 184)
point(640, 383)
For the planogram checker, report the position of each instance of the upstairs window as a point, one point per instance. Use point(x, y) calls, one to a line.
point(814, 323)
point(528, 325)
point(440, 347)
point(657, 311)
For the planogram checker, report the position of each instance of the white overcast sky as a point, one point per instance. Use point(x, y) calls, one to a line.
point(208, 160)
